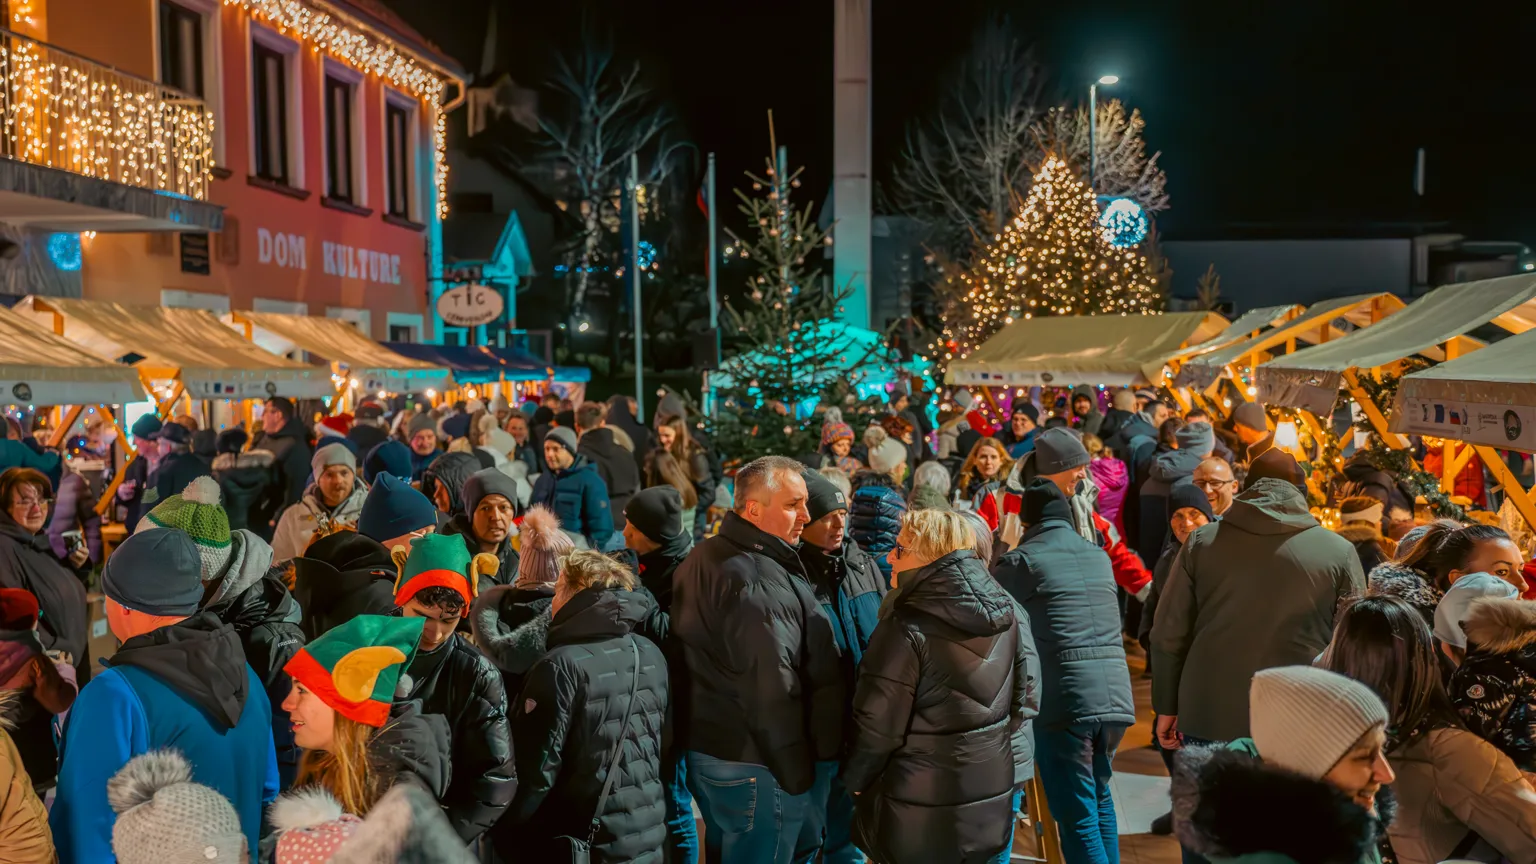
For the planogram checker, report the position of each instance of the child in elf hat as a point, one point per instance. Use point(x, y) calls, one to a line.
point(436, 585)
point(357, 739)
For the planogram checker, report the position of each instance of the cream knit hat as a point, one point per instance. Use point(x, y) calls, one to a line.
point(1306, 719)
point(165, 818)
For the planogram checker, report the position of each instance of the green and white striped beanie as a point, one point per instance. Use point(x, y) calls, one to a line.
point(197, 511)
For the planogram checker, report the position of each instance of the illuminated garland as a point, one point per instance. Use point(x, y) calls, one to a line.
point(359, 50)
point(1400, 463)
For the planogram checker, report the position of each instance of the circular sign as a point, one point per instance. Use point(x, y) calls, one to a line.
point(470, 305)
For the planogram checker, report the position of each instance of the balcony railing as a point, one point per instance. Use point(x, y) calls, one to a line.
point(65, 111)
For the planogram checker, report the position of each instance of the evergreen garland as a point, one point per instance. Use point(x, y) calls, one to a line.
point(1400, 463)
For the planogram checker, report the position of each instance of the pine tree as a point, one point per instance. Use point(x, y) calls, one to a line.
point(1052, 259)
point(792, 352)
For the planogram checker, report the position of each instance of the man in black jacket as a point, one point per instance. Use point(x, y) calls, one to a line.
point(453, 679)
point(486, 523)
point(284, 436)
point(764, 689)
point(178, 465)
point(621, 413)
point(618, 467)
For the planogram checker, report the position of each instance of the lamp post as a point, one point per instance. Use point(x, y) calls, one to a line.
point(1093, 128)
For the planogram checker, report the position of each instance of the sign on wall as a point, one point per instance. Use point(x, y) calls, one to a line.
point(291, 251)
point(194, 253)
point(1505, 426)
point(470, 305)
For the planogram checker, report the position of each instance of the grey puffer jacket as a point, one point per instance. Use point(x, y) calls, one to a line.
point(941, 717)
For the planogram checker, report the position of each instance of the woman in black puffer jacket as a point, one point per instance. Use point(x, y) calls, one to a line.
point(941, 714)
point(572, 712)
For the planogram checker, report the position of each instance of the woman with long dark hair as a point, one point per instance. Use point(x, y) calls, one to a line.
point(1457, 794)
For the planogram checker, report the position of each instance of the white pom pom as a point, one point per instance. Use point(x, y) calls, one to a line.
point(874, 436)
point(833, 415)
point(304, 808)
point(203, 490)
point(144, 775)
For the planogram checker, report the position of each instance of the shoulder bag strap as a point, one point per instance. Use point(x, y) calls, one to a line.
point(618, 744)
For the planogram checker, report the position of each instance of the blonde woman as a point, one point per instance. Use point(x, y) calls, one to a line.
point(950, 672)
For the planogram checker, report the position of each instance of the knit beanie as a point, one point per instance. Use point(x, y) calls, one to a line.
point(332, 454)
point(421, 422)
point(1252, 415)
point(564, 436)
point(145, 427)
point(834, 432)
point(1278, 465)
point(567, 419)
point(544, 546)
point(387, 457)
point(657, 512)
point(165, 818)
point(501, 441)
point(1197, 437)
point(488, 481)
point(499, 404)
point(310, 826)
point(1186, 494)
point(1058, 450)
point(1414, 535)
point(355, 666)
point(393, 508)
point(886, 454)
point(1305, 719)
point(440, 560)
point(155, 571)
point(821, 497)
point(456, 426)
point(18, 609)
point(1028, 409)
point(1044, 500)
point(1361, 508)
point(1452, 609)
point(197, 512)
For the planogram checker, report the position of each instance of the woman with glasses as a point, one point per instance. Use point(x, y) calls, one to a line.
point(27, 562)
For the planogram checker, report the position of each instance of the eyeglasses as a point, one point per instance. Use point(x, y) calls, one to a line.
point(29, 503)
point(1213, 484)
point(901, 551)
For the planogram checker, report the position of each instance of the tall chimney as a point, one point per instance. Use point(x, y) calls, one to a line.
point(851, 186)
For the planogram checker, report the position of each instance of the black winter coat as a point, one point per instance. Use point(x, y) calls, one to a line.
point(566, 722)
point(365, 436)
point(1067, 587)
point(175, 473)
point(941, 715)
point(27, 562)
point(291, 453)
point(506, 557)
point(243, 479)
point(413, 748)
point(511, 625)
point(617, 467)
point(449, 470)
point(466, 689)
point(764, 684)
point(341, 577)
point(874, 516)
point(655, 570)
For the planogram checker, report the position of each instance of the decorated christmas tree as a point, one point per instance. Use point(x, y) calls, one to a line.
point(792, 349)
point(1057, 257)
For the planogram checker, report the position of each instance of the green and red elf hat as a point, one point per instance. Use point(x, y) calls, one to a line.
point(440, 560)
point(355, 667)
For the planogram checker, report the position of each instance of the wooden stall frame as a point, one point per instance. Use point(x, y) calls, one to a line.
point(1509, 483)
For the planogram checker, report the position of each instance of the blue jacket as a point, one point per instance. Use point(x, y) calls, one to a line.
point(14, 454)
point(185, 686)
point(850, 588)
point(419, 464)
point(580, 499)
point(875, 517)
point(1018, 447)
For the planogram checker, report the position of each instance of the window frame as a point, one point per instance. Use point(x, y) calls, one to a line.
point(405, 174)
point(334, 75)
point(266, 43)
point(211, 62)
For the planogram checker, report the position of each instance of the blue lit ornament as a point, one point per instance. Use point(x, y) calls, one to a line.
point(64, 250)
point(1123, 223)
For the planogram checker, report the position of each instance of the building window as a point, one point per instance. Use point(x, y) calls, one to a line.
point(399, 141)
point(338, 140)
point(270, 107)
point(181, 49)
point(402, 333)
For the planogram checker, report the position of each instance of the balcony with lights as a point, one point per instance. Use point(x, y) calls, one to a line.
point(86, 147)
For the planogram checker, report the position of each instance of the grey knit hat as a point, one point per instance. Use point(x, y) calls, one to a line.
point(422, 421)
point(165, 818)
point(332, 454)
point(1305, 719)
point(564, 437)
point(1199, 437)
point(1058, 450)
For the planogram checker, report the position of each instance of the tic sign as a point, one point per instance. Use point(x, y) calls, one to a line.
point(470, 305)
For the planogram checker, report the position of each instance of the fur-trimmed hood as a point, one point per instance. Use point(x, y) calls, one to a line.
point(249, 459)
point(511, 625)
point(1356, 532)
point(1227, 804)
point(1500, 626)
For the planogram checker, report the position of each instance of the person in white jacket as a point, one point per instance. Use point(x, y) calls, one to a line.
point(331, 503)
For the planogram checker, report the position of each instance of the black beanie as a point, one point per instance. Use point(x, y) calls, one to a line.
point(656, 512)
point(821, 497)
point(488, 481)
point(1043, 500)
point(1186, 494)
point(1279, 465)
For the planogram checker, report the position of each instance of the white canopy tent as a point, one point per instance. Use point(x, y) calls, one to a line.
point(1316, 324)
point(1487, 397)
point(1247, 324)
point(188, 345)
point(355, 355)
point(1110, 350)
point(39, 367)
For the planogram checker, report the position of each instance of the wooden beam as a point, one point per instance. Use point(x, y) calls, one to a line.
point(1179, 397)
point(57, 437)
point(1511, 484)
point(163, 410)
point(1373, 412)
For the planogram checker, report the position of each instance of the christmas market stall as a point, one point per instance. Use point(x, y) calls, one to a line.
point(39, 367)
point(359, 365)
point(1486, 400)
point(516, 372)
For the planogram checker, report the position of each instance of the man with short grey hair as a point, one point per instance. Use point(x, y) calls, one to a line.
point(762, 690)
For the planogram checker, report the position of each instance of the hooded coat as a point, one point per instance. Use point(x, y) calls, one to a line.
point(579, 499)
point(618, 467)
point(341, 577)
point(291, 454)
point(1494, 689)
point(27, 562)
point(874, 516)
point(24, 831)
point(187, 686)
point(1451, 783)
point(1174, 466)
point(566, 724)
point(1093, 421)
point(764, 679)
point(1110, 475)
point(450, 471)
point(1228, 806)
point(310, 516)
point(941, 718)
point(33, 688)
point(511, 625)
point(243, 480)
point(176, 472)
point(1256, 590)
point(639, 434)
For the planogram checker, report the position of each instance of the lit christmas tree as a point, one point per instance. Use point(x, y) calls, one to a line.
point(1054, 258)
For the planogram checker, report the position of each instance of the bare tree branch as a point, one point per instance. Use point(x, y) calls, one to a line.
point(1124, 169)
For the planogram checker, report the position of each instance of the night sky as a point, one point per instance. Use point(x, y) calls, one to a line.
point(1295, 113)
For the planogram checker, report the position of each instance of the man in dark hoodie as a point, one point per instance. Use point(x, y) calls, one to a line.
point(1086, 417)
point(179, 466)
point(243, 477)
point(1196, 442)
point(443, 483)
point(284, 436)
point(618, 467)
point(179, 680)
point(621, 413)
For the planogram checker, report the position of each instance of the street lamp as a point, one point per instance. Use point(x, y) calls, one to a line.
point(1093, 127)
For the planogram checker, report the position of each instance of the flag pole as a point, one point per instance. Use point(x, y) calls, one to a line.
point(634, 276)
point(713, 265)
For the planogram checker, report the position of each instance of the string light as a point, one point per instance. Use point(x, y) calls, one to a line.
point(1052, 259)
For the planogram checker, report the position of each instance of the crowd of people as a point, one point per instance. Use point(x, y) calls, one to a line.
point(478, 632)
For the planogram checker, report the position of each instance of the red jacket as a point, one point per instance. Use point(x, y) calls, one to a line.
point(1130, 573)
point(1468, 483)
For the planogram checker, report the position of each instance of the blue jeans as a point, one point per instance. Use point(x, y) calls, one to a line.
point(1075, 770)
point(682, 832)
point(1005, 856)
point(748, 818)
point(828, 825)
